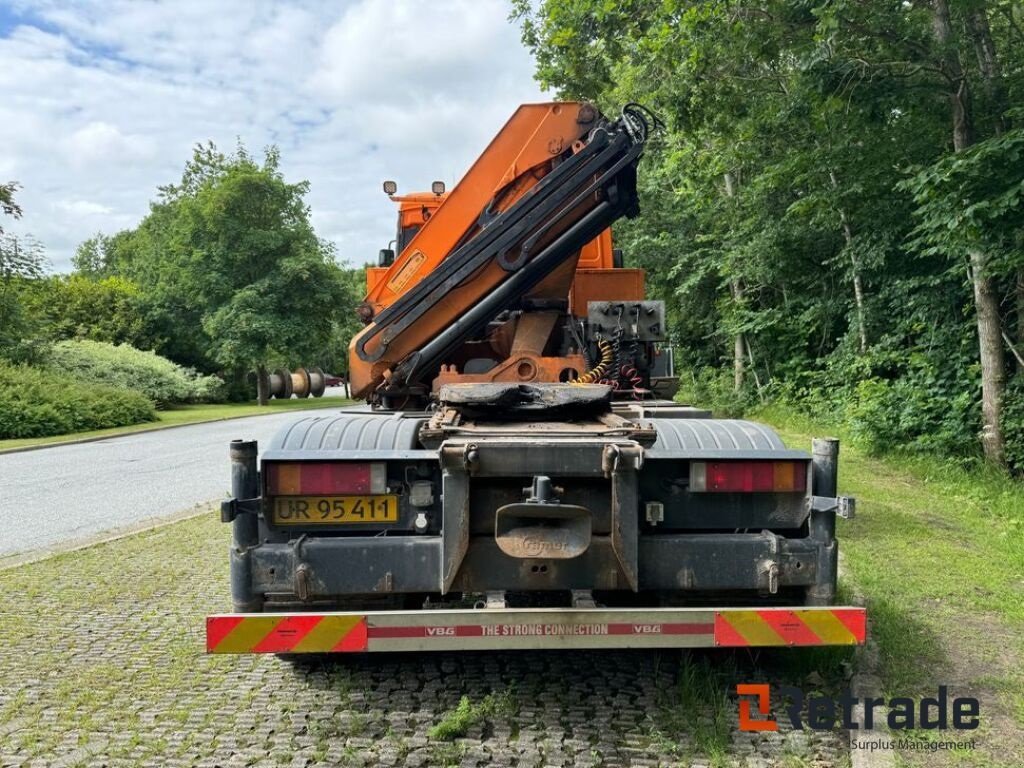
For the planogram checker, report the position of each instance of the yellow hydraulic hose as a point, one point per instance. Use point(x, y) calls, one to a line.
point(598, 371)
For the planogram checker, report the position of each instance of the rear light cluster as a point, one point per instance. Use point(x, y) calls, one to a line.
point(748, 476)
point(323, 478)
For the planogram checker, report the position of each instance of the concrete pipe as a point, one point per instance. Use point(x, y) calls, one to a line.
point(317, 382)
point(300, 383)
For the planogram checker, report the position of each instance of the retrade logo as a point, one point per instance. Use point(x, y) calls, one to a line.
point(764, 707)
point(823, 712)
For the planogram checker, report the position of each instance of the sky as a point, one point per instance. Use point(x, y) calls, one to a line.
point(101, 102)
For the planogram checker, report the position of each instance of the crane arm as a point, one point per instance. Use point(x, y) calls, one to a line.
point(498, 236)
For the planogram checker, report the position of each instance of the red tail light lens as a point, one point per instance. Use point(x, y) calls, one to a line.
point(748, 476)
point(325, 478)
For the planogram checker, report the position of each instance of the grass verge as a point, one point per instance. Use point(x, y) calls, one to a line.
point(181, 415)
point(938, 551)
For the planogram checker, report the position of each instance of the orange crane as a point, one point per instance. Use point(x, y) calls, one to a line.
point(527, 223)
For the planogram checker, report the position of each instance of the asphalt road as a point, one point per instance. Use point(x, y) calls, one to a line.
point(57, 495)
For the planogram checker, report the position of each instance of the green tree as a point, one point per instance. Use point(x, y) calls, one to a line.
point(232, 274)
point(22, 260)
point(8, 206)
point(92, 257)
point(776, 221)
point(79, 307)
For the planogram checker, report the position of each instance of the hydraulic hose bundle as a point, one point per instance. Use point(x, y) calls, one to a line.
point(598, 371)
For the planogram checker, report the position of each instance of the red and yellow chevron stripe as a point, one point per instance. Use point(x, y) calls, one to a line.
point(836, 626)
point(294, 633)
point(464, 629)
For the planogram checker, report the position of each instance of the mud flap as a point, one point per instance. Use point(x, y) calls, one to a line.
point(621, 463)
point(456, 462)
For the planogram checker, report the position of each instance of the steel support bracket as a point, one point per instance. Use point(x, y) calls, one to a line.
point(844, 506)
point(232, 508)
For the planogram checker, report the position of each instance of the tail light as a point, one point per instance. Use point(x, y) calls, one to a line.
point(748, 476)
point(325, 478)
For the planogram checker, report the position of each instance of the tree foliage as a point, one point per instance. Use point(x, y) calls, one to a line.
point(8, 206)
point(810, 210)
point(231, 274)
point(78, 307)
point(22, 261)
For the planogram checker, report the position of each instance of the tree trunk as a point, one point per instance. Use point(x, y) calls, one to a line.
point(959, 92)
point(1020, 316)
point(753, 370)
point(986, 297)
point(262, 385)
point(739, 346)
point(988, 66)
point(738, 367)
point(993, 360)
point(858, 284)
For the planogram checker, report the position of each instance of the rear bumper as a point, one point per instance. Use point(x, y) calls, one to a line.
point(533, 628)
point(415, 564)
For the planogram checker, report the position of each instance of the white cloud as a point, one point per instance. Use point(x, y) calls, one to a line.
point(84, 208)
point(102, 143)
point(103, 101)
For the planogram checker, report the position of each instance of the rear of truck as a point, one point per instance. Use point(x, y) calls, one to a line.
point(519, 477)
point(643, 525)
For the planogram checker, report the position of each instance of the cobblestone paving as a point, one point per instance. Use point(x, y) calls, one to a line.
point(101, 663)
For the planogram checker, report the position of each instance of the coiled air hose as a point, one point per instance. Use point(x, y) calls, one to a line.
point(598, 371)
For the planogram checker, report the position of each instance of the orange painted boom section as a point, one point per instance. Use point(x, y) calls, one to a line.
point(512, 164)
point(529, 140)
point(595, 255)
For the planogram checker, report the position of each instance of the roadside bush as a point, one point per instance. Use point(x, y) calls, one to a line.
point(902, 415)
point(1013, 424)
point(39, 403)
point(712, 388)
point(125, 367)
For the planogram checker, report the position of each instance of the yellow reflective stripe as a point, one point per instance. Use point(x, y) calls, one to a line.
point(326, 634)
point(247, 634)
point(752, 628)
point(827, 626)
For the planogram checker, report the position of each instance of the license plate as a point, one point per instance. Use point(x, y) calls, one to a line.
point(335, 510)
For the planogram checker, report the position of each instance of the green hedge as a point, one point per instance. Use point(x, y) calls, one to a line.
point(924, 411)
point(125, 367)
point(38, 403)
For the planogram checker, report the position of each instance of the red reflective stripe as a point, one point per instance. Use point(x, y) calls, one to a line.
point(286, 633)
point(462, 630)
point(855, 620)
point(355, 640)
point(725, 635)
point(790, 628)
point(689, 629)
point(477, 630)
point(218, 627)
point(639, 628)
